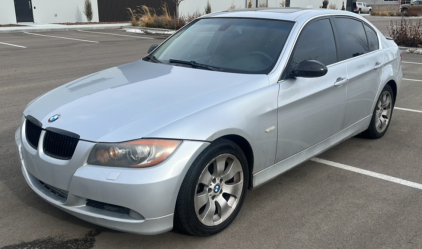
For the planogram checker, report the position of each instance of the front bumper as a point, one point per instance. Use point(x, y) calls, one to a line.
point(147, 194)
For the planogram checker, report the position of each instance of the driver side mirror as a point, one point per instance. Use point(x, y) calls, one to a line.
point(152, 48)
point(309, 69)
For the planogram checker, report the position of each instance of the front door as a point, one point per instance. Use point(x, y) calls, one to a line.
point(23, 9)
point(311, 110)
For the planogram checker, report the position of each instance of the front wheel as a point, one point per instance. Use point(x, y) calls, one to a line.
point(383, 112)
point(213, 190)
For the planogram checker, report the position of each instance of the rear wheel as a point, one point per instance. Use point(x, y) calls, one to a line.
point(213, 190)
point(359, 11)
point(382, 115)
point(369, 12)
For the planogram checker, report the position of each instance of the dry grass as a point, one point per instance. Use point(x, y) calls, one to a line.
point(406, 33)
point(385, 13)
point(332, 6)
point(250, 4)
point(190, 17)
point(263, 5)
point(282, 3)
point(232, 7)
point(134, 19)
point(147, 17)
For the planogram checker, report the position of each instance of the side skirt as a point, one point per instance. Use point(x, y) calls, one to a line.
point(279, 168)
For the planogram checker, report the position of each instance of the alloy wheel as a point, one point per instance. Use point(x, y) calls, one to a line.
point(218, 190)
point(383, 111)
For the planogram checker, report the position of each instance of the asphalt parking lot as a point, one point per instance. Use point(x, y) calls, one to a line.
point(362, 194)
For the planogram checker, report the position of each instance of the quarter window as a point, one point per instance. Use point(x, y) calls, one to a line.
point(352, 38)
point(372, 38)
point(316, 42)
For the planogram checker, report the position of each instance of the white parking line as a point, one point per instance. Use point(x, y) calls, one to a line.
point(408, 62)
point(103, 33)
point(67, 38)
point(12, 45)
point(368, 173)
point(411, 80)
point(409, 110)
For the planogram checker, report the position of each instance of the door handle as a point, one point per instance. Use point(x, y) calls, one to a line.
point(341, 81)
point(377, 65)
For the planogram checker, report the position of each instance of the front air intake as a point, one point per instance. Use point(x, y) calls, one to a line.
point(33, 133)
point(60, 144)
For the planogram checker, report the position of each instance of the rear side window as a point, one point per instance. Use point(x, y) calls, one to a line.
point(372, 38)
point(352, 38)
point(316, 42)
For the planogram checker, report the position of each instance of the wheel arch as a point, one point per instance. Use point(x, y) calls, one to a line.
point(247, 150)
point(393, 86)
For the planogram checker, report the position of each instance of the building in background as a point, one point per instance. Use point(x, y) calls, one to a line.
point(188, 7)
point(44, 11)
point(339, 3)
point(62, 11)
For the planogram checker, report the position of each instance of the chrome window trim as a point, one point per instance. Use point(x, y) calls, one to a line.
point(301, 29)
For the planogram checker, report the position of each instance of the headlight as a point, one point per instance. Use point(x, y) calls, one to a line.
point(139, 153)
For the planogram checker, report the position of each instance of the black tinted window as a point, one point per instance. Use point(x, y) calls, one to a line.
point(316, 42)
point(234, 45)
point(372, 38)
point(352, 38)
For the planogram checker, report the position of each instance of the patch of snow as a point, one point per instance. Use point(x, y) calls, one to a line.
point(138, 31)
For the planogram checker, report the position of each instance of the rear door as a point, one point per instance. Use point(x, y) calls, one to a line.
point(359, 47)
point(311, 109)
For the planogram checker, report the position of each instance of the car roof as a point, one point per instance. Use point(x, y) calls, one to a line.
point(287, 14)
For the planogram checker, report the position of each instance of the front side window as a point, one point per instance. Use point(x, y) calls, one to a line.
point(316, 42)
point(249, 46)
point(352, 38)
point(372, 38)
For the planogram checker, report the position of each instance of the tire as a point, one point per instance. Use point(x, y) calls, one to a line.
point(359, 11)
point(381, 119)
point(369, 12)
point(404, 11)
point(221, 201)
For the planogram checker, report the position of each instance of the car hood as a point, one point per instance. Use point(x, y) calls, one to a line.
point(130, 101)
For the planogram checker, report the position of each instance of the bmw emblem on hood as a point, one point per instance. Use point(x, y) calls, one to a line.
point(54, 118)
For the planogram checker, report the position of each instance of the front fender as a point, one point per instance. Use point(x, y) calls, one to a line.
point(248, 116)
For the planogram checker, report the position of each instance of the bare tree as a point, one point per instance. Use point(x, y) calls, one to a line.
point(177, 2)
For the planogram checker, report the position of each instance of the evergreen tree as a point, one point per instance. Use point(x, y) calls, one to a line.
point(88, 10)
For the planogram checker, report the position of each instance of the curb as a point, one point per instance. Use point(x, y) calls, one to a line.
point(62, 28)
point(152, 31)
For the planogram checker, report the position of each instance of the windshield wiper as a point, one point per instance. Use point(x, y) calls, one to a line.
point(194, 64)
point(152, 58)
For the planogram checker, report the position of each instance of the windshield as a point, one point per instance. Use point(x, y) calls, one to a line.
point(227, 44)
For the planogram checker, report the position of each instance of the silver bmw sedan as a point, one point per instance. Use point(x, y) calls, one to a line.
point(227, 103)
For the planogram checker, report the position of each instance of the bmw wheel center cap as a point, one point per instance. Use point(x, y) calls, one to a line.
point(54, 118)
point(216, 188)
